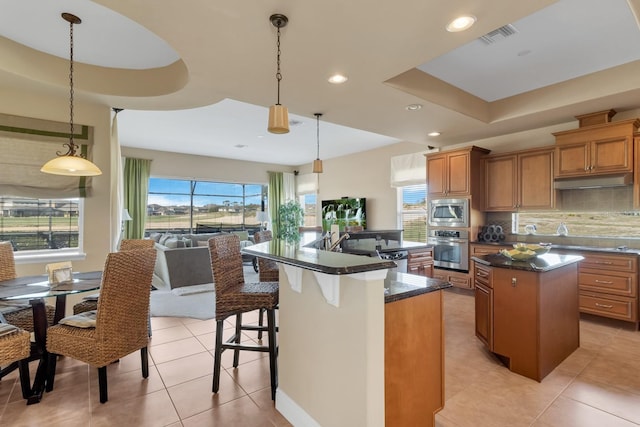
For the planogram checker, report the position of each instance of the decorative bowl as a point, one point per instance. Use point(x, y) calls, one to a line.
point(519, 255)
point(539, 249)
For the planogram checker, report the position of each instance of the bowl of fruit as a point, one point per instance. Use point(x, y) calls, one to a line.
point(525, 251)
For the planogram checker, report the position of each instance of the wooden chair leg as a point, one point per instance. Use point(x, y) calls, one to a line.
point(25, 381)
point(260, 322)
point(236, 353)
point(273, 351)
point(51, 371)
point(217, 359)
point(144, 358)
point(102, 384)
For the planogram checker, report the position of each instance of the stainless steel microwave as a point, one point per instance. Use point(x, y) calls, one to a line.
point(449, 213)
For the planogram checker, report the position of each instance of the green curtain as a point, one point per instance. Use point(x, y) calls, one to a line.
point(276, 198)
point(136, 190)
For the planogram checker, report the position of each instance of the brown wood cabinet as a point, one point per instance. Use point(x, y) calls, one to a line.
point(609, 285)
point(414, 368)
point(455, 173)
point(456, 278)
point(483, 284)
point(420, 261)
point(601, 149)
point(520, 180)
point(528, 318)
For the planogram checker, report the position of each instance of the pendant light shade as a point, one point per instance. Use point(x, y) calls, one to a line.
point(317, 163)
point(278, 114)
point(71, 163)
point(278, 119)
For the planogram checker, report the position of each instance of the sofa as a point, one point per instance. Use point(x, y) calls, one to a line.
point(183, 259)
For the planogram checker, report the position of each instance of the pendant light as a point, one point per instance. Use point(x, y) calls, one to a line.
point(71, 163)
point(317, 163)
point(278, 114)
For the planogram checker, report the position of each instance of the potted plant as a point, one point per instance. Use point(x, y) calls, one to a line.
point(290, 216)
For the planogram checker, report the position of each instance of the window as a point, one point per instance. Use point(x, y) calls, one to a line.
point(412, 211)
point(41, 227)
point(187, 206)
point(309, 206)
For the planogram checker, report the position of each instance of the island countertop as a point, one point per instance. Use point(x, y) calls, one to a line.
point(398, 286)
point(541, 263)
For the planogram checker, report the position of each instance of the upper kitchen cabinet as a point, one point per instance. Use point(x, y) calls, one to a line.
point(455, 173)
point(520, 180)
point(596, 149)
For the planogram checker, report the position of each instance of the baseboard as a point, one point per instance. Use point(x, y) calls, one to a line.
point(293, 412)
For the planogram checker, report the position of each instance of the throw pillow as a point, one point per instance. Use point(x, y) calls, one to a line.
point(243, 235)
point(164, 238)
point(173, 243)
point(187, 242)
point(155, 237)
point(82, 320)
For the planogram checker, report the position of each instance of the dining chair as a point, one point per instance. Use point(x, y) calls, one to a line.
point(233, 296)
point(121, 319)
point(19, 312)
point(267, 270)
point(91, 302)
point(16, 347)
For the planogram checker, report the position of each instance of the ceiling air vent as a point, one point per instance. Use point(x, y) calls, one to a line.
point(499, 34)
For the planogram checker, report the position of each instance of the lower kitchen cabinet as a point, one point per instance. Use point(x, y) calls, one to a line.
point(483, 284)
point(420, 261)
point(609, 285)
point(458, 279)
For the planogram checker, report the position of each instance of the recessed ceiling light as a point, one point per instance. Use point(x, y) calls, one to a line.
point(461, 23)
point(413, 107)
point(240, 146)
point(337, 79)
point(434, 134)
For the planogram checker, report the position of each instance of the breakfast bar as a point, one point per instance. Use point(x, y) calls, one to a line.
point(344, 358)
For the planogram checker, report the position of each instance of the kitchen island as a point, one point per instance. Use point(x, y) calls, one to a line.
point(344, 358)
point(527, 311)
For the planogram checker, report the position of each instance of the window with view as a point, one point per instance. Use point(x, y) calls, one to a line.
point(191, 206)
point(308, 204)
point(40, 224)
point(413, 212)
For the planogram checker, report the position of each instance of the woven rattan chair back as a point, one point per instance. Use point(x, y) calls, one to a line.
point(133, 244)
point(7, 262)
point(123, 306)
point(267, 269)
point(226, 264)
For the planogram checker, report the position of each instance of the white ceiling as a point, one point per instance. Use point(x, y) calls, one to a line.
point(198, 77)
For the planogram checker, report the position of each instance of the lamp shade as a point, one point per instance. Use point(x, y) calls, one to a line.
point(317, 166)
point(262, 216)
point(278, 119)
point(71, 166)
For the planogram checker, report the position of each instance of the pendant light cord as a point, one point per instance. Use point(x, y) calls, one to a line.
point(72, 146)
point(278, 73)
point(318, 134)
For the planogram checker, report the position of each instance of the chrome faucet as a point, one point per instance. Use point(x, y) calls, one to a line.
point(337, 242)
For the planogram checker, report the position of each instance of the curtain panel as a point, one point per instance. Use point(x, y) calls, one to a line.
point(26, 144)
point(276, 198)
point(136, 191)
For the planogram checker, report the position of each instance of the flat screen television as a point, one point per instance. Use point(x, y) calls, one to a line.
point(344, 212)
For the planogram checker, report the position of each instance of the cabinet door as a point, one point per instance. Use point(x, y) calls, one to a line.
point(535, 180)
point(500, 183)
point(484, 314)
point(458, 174)
point(436, 175)
point(611, 155)
point(572, 160)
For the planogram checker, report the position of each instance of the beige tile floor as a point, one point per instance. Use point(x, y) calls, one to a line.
point(598, 385)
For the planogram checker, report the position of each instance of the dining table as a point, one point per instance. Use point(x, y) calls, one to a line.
point(35, 289)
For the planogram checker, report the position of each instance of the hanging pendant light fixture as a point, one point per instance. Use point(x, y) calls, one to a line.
point(71, 163)
point(278, 114)
point(317, 163)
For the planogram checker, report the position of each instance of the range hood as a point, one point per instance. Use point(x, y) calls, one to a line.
point(594, 182)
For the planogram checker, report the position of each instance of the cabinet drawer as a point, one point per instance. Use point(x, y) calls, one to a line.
point(483, 275)
point(615, 307)
point(461, 282)
point(608, 262)
point(420, 258)
point(622, 284)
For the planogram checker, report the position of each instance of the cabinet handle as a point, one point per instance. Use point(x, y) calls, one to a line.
point(604, 282)
point(603, 262)
point(604, 305)
point(482, 274)
point(514, 282)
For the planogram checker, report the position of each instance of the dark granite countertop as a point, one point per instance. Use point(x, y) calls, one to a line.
point(613, 250)
point(541, 263)
point(398, 286)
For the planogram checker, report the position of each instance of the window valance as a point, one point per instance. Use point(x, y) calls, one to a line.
point(409, 169)
point(306, 183)
point(26, 144)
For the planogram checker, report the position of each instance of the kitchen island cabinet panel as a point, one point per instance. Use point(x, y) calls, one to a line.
point(414, 377)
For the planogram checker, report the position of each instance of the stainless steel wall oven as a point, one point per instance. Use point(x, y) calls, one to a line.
point(450, 248)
